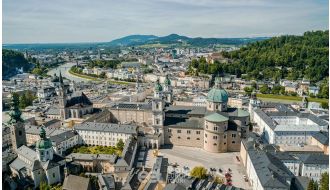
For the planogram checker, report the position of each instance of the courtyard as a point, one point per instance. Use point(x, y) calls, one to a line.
point(191, 157)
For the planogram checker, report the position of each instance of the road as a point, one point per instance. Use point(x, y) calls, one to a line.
point(64, 69)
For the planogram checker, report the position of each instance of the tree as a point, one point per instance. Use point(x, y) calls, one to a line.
point(199, 172)
point(312, 185)
point(324, 182)
point(324, 105)
point(264, 89)
point(248, 90)
point(44, 186)
point(120, 144)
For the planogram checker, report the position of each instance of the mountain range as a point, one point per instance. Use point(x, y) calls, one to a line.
point(134, 40)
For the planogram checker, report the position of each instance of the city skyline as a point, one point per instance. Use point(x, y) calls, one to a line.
point(37, 21)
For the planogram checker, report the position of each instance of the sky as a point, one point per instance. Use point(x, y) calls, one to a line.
point(65, 21)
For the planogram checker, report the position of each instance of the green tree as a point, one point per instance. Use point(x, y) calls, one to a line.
point(310, 185)
point(248, 90)
point(199, 172)
point(324, 182)
point(23, 101)
point(325, 105)
point(44, 186)
point(264, 89)
point(120, 144)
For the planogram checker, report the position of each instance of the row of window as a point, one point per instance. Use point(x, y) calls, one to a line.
point(233, 142)
point(216, 137)
point(188, 138)
point(188, 131)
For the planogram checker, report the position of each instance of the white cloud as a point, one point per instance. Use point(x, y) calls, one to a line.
point(103, 20)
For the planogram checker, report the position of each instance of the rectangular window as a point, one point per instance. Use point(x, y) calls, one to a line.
point(215, 128)
point(205, 135)
point(233, 135)
point(179, 131)
point(215, 137)
point(169, 130)
point(198, 132)
point(188, 131)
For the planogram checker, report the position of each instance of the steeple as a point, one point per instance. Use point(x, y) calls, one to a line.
point(44, 146)
point(15, 113)
point(217, 82)
point(17, 129)
point(61, 79)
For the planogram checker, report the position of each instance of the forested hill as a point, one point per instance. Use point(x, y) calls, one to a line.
point(298, 56)
point(11, 61)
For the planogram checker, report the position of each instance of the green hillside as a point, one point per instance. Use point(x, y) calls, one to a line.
point(289, 57)
point(11, 61)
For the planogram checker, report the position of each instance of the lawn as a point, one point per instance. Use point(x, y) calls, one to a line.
point(84, 76)
point(293, 98)
point(96, 150)
point(119, 82)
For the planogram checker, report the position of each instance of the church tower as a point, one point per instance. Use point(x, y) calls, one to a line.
point(168, 90)
point(137, 85)
point(62, 98)
point(44, 147)
point(158, 105)
point(17, 129)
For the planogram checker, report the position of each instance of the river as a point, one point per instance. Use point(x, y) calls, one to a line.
point(64, 69)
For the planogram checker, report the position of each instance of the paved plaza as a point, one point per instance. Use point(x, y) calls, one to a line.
point(191, 157)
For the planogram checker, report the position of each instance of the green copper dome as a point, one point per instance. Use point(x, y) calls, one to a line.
point(215, 117)
point(217, 95)
point(158, 87)
point(167, 81)
point(44, 142)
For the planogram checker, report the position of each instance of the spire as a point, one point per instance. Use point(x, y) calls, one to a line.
point(167, 81)
point(158, 87)
point(42, 133)
point(15, 113)
point(61, 79)
point(217, 82)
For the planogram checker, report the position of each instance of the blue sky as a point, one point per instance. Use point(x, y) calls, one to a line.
point(42, 21)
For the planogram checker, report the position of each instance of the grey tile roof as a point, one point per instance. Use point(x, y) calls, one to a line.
point(59, 138)
point(172, 186)
point(320, 159)
point(132, 106)
point(35, 130)
point(322, 137)
point(78, 99)
point(106, 182)
point(186, 110)
point(128, 152)
point(271, 172)
point(184, 122)
point(90, 157)
point(53, 111)
point(106, 127)
point(73, 182)
point(98, 116)
point(268, 120)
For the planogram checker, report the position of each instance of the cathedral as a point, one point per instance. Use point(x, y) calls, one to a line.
point(214, 128)
point(70, 107)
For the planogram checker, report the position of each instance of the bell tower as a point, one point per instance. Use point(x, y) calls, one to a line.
point(62, 98)
point(168, 90)
point(17, 129)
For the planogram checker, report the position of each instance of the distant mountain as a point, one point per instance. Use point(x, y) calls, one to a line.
point(134, 40)
point(12, 61)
